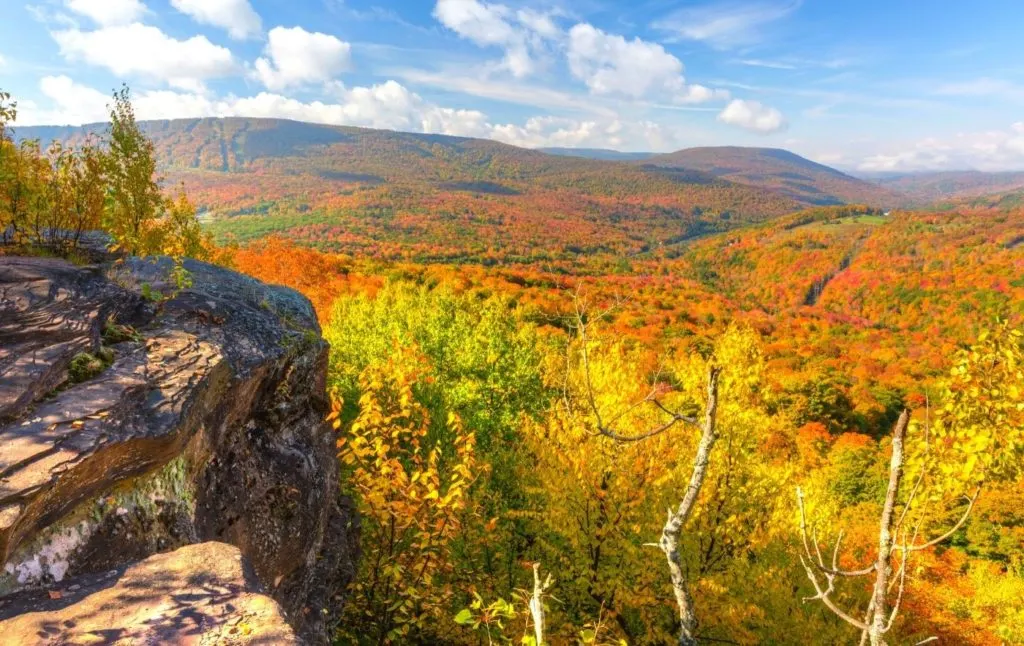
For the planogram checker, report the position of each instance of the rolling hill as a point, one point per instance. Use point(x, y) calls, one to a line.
point(932, 187)
point(780, 171)
point(429, 196)
point(435, 197)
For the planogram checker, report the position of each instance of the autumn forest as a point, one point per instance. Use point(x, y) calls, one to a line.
point(722, 396)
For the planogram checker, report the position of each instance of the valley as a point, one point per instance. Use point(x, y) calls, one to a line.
point(484, 364)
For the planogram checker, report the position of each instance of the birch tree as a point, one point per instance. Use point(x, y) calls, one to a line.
point(618, 425)
point(975, 437)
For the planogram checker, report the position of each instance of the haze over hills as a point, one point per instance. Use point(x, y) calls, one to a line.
point(928, 187)
point(781, 171)
point(598, 153)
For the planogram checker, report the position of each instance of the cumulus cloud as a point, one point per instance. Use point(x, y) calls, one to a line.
point(520, 33)
point(610, 64)
point(295, 57)
point(108, 12)
point(388, 105)
point(142, 50)
point(753, 116)
point(992, 150)
point(73, 104)
point(560, 132)
point(235, 16)
point(700, 94)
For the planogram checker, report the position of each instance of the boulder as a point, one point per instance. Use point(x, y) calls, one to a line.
point(146, 406)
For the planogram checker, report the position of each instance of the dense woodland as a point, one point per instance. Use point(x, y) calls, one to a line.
point(797, 427)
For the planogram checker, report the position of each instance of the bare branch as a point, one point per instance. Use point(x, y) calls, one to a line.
point(935, 541)
point(819, 563)
point(902, 579)
point(823, 595)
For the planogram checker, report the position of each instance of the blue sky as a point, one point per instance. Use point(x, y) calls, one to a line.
point(869, 85)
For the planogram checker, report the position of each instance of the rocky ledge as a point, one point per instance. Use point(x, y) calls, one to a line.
point(143, 410)
point(199, 594)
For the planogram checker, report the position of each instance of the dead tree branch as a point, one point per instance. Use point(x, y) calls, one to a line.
point(879, 617)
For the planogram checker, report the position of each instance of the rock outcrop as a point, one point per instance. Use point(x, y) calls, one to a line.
point(199, 594)
point(143, 410)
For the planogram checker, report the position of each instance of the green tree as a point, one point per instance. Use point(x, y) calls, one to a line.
point(136, 201)
point(182, 235)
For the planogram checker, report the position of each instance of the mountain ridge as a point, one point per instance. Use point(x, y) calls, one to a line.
point(437, 196)
point(782, 171)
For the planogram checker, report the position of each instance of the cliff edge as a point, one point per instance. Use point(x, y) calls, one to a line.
point(144, 412)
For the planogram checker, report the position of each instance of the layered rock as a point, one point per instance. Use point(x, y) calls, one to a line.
point(143, 409)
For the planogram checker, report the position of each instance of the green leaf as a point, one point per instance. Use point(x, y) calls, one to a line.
point(464, 617)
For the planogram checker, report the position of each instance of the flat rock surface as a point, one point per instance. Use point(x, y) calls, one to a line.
point(200, 594)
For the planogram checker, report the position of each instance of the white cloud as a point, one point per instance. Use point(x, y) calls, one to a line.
point(73, 104)
point(108, 12)
point(992, 150)
point(521, 34)
point(752, 115)
point(610, 64)
point(559, 132)
point(774, 65)
point(700, 94)
point(142, 50)
point(726, 24)
point(295, 57)
point(388, 105)
point(533, 95)
point(540, 23)
point(236, 16)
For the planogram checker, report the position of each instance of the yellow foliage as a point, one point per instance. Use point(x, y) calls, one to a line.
point(412, 495)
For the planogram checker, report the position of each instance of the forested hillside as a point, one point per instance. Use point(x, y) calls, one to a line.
point(931, 187)
point(587, 402)
point(830, 322)
point(780, 171)
point(397, 195)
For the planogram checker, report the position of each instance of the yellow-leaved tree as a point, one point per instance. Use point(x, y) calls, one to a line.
point(412, 494)
point(631, 438)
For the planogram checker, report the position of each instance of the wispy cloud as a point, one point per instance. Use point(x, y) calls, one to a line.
point(775, 65)
point(984, 87)
point(727, 24)
point(794, 63)
point(519, 93)
point(836, 97)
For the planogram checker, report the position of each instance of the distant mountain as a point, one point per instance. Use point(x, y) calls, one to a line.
point(597, 153)
point(433, 196)
point(935, 186)
point(781, 171)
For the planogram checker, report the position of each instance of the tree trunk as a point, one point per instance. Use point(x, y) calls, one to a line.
point(676, 520)
point(879, 619)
